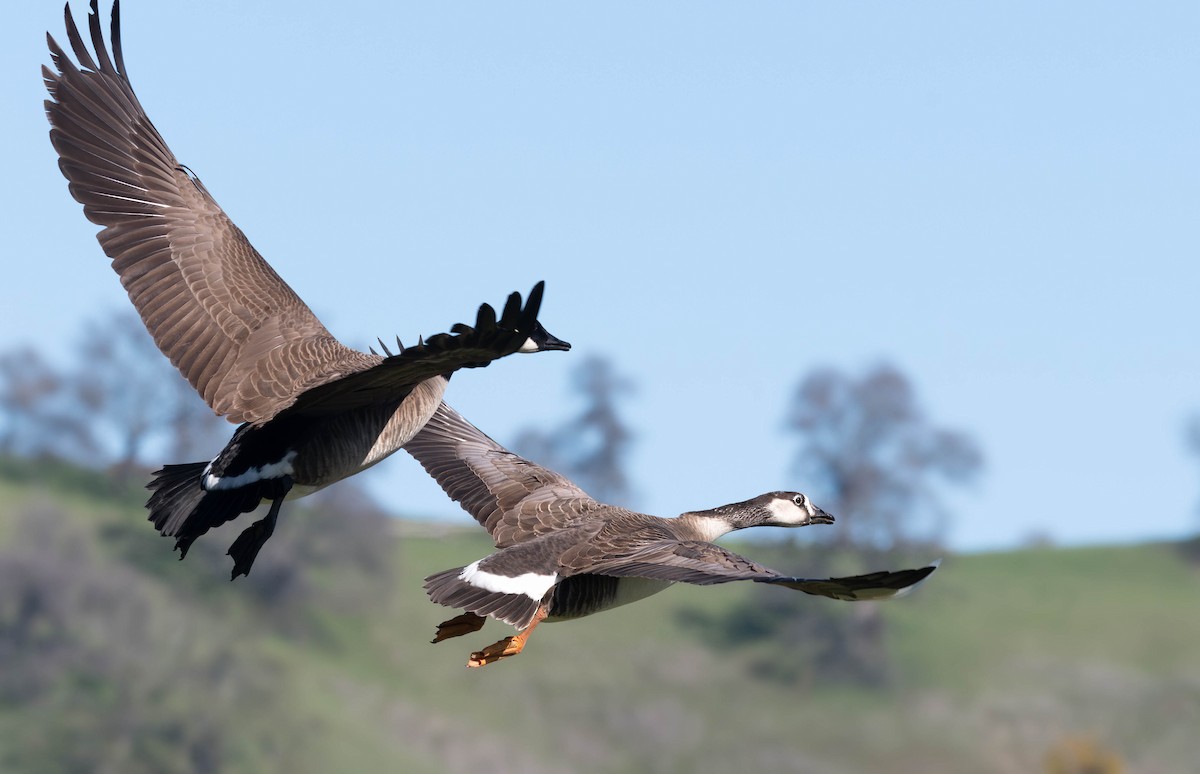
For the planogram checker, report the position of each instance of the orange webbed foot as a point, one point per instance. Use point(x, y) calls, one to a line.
point(509, 646)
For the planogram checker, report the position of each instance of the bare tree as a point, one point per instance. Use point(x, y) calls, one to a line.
point(34, 409)
point(135, 399)
point(870, 455)
point(591, 449)
point(192, 431)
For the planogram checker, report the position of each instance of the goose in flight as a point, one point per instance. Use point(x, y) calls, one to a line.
point(311, 410)
point(562, 555)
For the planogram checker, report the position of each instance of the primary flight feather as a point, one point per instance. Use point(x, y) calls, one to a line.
point(312, 410)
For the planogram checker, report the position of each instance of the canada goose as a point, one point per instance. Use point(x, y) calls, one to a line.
point(312, 411)
point(562, 555)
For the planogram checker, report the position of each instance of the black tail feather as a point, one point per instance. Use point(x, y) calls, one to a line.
point(176, 495)
point(181, 508)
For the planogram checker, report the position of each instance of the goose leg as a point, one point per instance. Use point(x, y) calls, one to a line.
point(247, 545)
point(458, 626)
point(509, 646)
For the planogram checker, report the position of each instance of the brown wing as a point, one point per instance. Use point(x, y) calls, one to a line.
point(514, 499)
point(704, 564)
point(224, 318)
point(626, 554)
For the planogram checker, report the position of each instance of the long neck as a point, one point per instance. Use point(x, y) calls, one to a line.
point(713, 523)
point(703, 525)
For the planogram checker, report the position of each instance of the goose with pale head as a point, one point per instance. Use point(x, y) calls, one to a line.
point(311, 410)
point(563, 555)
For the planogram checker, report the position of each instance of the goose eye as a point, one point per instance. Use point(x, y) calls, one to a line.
point(798, 499)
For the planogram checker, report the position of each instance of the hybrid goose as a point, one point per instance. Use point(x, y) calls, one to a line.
point(562, 555)
point(311, 411)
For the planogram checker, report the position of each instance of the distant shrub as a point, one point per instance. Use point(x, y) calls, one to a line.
point(1082, 755)
point(825, 642)
point(1190, 550)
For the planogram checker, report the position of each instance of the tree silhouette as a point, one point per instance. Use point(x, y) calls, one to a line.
point(135, 404)
point(120, 404)
point(871, 457)
point(35, 415)
point(591, 448)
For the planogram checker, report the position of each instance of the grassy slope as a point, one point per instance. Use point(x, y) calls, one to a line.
point(1009, 653)
point(1001, 657)
point(1123, 605)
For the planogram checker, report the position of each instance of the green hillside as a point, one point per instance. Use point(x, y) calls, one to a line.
point(120, 658)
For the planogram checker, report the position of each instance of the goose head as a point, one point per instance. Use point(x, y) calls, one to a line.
point(542, 340)
point(788, 509)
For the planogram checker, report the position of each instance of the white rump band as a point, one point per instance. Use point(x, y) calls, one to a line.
point(530, 584)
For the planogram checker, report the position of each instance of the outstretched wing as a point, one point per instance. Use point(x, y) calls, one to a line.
point(875, 585)
point(704, 564)
point(224, 318)
point(514, 499)
point(464, 347)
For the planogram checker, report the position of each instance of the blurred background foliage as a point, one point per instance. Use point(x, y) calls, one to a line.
point(119, 658)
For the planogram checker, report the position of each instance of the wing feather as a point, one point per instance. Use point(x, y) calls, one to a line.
point(704, 564)
point(514, 499)
point(213, 305)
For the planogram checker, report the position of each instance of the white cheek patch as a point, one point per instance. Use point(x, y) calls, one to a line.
point(787, 512)
point(529, 346)
point(530, 584)
point(265, 472)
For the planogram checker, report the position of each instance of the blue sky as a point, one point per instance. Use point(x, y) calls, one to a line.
point(1000, 199)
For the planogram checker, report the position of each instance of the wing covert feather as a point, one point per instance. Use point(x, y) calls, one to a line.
point(514, 499)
